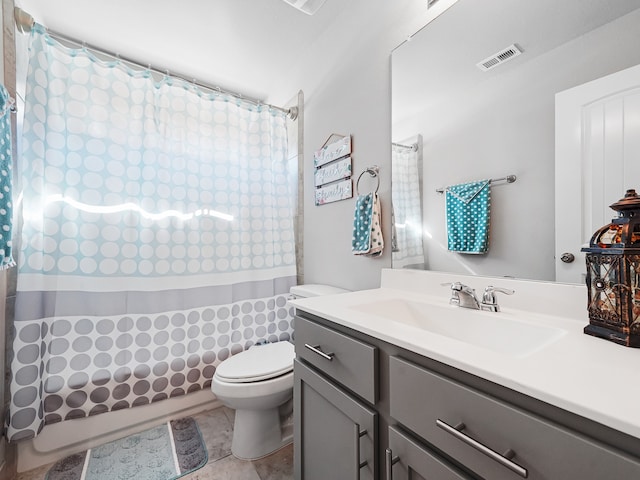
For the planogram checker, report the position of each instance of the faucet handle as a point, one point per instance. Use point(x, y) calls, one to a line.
point(462, 295)
point(489, 300)
point(457, 286)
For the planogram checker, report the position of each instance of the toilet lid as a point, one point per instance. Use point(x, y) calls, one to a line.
point(260, 362)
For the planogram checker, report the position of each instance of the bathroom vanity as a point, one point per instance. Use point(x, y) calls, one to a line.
point(381, 391)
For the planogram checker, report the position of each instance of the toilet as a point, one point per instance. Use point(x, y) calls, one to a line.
point(258, 384)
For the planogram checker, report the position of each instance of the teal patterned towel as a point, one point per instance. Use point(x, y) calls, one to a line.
point(367, 227)
point(6, 206)
point(468, 208)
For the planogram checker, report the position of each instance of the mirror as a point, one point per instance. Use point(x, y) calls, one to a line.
point(472, 124)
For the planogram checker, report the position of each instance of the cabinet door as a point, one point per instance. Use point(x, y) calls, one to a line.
point(408, 460)
point(335, 436)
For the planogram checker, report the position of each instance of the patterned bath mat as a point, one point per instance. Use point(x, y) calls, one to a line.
point(164, 452)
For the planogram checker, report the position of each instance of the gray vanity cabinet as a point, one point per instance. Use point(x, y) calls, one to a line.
point(427, 420)
point(335, 433)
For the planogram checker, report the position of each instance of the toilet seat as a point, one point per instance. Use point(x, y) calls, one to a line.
point(260, 362)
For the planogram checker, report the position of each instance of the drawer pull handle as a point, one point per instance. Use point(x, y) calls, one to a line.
point(357, 435)
point(504, 460)
point(390, 462)
point(316, 349)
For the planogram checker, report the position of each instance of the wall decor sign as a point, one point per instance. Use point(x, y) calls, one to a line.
point(337, 170)
point(332, 176)
point(332, 151)
point(334, 192)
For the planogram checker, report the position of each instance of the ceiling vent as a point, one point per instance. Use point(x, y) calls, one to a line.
point(512, 51)
point(307, 6)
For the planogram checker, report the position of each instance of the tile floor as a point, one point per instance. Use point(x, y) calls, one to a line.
point(217, 428)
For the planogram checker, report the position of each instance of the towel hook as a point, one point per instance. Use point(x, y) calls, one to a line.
point(373, 171)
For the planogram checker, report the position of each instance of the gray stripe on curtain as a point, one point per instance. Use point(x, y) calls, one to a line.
point(43, 304)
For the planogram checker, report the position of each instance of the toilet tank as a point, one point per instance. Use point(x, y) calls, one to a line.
point(314, 290)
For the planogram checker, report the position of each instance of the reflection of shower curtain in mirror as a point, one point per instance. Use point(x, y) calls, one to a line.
point(407, 207)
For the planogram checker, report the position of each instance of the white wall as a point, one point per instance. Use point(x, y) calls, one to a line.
point(346, 82)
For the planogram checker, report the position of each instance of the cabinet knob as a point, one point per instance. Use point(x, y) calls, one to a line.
point(357, 435)
point(504, 460)
point(390, 461)
point(316, 349)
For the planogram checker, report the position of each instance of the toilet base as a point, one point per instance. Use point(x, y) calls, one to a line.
point(258, 433)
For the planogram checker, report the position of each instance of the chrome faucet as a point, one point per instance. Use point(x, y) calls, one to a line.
point(489, 300)
point(463, 296)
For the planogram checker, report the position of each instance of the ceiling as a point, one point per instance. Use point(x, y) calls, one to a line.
point(245, 46)
point(469, 32)
point(249, 46)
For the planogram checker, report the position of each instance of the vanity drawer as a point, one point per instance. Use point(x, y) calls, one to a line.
point(433, 406)
point(405, 458)
point(350, 362)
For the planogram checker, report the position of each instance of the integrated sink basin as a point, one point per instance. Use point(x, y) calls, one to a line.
point(497, 331)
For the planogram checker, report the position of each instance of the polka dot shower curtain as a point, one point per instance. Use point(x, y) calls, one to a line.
point(157, 240)
point(407, 207)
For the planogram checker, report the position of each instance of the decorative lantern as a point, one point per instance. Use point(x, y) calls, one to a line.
point(613, 275)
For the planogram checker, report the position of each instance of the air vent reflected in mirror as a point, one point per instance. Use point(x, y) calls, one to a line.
point(499, 58)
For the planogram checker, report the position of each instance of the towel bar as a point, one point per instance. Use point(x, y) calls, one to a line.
point(508, 179)
point(373, 171)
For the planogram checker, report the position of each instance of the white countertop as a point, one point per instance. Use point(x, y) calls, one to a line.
point(588, 376)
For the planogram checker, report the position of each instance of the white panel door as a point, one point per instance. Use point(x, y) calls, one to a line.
point(597, 160)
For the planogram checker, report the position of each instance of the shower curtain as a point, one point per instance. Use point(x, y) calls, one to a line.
point(157, 236)
point(407, 207)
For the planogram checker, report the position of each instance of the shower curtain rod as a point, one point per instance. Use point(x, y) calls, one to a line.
point(413, 146)
point(25, 22)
